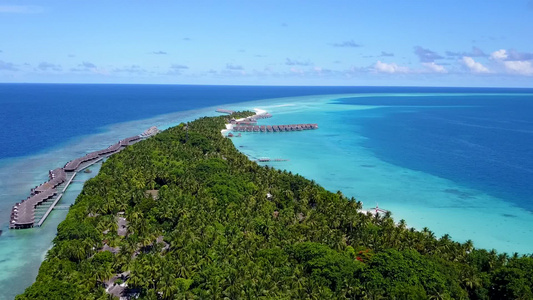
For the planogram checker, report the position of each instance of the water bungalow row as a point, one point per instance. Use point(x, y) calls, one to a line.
point(245, 121)
point(262, 116)
point(56, 176)
point(72, 165)
point(23, 213)
point(253, 122)
point(150, 131)
point(224, 111)
point(274, 128)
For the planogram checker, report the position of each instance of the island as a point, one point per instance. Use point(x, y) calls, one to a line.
point(184, 215)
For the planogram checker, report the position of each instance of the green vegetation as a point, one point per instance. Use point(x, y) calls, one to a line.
point(222, 227)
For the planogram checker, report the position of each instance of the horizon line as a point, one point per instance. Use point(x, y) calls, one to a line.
point(264, 85)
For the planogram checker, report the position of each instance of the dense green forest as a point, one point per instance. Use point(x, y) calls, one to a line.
point(184, 215)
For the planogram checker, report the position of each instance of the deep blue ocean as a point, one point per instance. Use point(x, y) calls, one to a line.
point(482, 141)
point(35, 117)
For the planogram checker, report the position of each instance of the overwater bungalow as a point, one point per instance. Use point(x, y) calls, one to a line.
point(23, 213)
point(262, 116)
point(273, 128)
point(57, 177)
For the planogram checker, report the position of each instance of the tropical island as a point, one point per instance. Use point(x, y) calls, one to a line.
point(185, 215)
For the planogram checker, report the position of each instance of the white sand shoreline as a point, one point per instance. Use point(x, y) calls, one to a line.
point(229, 126)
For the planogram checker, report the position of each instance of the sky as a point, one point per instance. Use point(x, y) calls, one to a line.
point(474, 43)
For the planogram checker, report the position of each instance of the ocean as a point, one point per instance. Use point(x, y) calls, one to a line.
point(455, 160)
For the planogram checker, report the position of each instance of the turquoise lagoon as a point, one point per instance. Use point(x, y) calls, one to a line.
point(338, 156)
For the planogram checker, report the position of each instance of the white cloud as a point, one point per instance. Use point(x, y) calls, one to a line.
point(178, 67)
point(519, 67)
point(432, 66)
point(234, 67)
point(499, 55)
point(88, 65)
point(45, 66)
point(515, 55)
point(426, 55)
point(7, 66)
point(294, 62)
point(350, 44)
point(514, 62)
point(391, 68)
point(133, 69)
point(474, 66)
point(296, 71)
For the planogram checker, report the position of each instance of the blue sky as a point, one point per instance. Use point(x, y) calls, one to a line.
point(378, 42)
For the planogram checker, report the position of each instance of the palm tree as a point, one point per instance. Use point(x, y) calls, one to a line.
point(167, 285)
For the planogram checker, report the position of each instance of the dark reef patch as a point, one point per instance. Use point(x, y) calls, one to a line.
point(461, 194)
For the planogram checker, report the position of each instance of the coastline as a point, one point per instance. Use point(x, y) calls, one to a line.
point(229, 126)
point(421, 199)
point(22, 251)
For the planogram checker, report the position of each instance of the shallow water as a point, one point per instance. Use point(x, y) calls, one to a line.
point(22, 251)
point(338, 157)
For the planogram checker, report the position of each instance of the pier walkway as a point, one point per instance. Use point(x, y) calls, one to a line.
point(267, 159)
point(224, 111)
point(34, 210)
point(250, 120)
point(274, 128)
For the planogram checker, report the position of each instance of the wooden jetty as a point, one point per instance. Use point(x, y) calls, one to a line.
point(56, 176)
point(230, 135)
point(29, 212)
point(150, 131)
point(262, 116)
point(75, 164)
point(224, 111)
point(274, 128)
point(267, 159)
point(246, 121)
point(250, 120)
point(376, 211)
